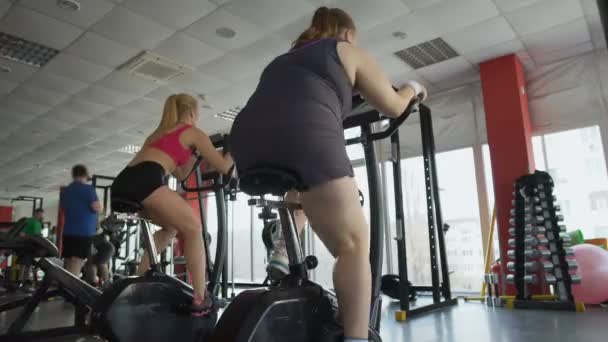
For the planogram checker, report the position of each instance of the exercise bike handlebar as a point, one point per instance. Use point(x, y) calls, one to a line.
point(375, 116)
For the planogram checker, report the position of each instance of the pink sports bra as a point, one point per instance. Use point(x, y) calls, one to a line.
point(170, 144)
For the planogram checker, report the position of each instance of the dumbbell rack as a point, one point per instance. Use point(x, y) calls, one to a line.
point(539, 247)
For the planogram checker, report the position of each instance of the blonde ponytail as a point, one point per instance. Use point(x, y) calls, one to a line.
point(326, 23)
point(175, 107)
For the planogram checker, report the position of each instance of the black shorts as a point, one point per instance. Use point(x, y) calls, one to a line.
point(136, 183)
point(77, 246)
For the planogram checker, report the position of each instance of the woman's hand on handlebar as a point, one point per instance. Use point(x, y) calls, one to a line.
point(414, 89)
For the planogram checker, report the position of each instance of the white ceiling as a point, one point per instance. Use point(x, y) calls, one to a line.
point(80, 109)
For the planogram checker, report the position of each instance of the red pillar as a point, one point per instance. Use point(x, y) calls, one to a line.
point(509, 136)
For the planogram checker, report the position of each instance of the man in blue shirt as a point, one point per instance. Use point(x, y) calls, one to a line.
point(80, 207)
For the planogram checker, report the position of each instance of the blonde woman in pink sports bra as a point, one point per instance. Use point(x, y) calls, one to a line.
point(169, 150)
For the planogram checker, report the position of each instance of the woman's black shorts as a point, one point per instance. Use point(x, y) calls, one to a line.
point(136, 183)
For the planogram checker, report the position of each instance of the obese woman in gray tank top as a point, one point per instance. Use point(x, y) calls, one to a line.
point(294, 120)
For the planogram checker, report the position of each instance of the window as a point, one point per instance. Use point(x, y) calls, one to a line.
point(575, 159)
point(456, 177)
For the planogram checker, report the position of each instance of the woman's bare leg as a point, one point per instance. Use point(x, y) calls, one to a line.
point(168, 209)
point(336, 216)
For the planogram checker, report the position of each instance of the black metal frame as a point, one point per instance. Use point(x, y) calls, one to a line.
point(440, 278)
point(82, 303)
point(217, 272)
point(37, 202)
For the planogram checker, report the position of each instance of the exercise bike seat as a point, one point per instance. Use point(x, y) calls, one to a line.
point(269, 179)
point(124, 206)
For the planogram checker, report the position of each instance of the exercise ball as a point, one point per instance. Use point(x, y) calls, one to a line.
point(593, 270)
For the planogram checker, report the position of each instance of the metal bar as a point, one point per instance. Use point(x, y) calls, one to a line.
point(376, 233)
point(388, 232)
point(21, 320)
point(404, 284)
point(201, 211)
point(603, 9)
point(150, 245)
point(427, 122)
point(432, 307)
point(430, 203)
point(221, 246)
point(292, 242)
point(251, 239)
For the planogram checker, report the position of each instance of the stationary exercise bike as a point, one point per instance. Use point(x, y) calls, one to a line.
point(153, 307)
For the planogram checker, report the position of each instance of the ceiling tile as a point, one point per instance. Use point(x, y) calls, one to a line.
point(40, 96)
point(544, 15)
point(19, 72)
point(205, 30)
point(187, 50)
point(393, 66)
point(483, 35)
point(380, 41)
point(199, 83)
point(50, 125)
point(170, 14)
point(39, 28)
point(90, 11)
point(46, 80)
point(73, 67)
point(13, 118)
point(418, 4)
point(248, 61)
point(66, 115)
point(132, 29)
point(452, 15)
point(7, 86)
point(150, 107)
point(495, 51)
point(270, 14)
point(122, 81)
point(105, 96)
point(84, 108)
point(563, 36)
point(558, 55)
point(24, 106)
point(597, 30)
point(366, 16)
point(453, 69)
point(589, 6)
point(100, 50)
point(4, 6)
point(130, 117)
point(506, 6)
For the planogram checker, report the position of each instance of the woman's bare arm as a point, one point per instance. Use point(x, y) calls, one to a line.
point(371, 81)
point(222, 163)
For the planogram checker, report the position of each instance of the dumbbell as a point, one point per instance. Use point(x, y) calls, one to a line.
point(572, 264)
point(529, 230)
point(575, 279)
point(548, 266)
point(531, 253)
point(528, 266)
point(528, 242)
point(528, 279)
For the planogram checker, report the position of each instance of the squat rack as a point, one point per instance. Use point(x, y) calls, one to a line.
point(440, 277)
point(37, 201)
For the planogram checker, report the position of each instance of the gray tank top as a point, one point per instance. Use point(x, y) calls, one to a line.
point(312, 73)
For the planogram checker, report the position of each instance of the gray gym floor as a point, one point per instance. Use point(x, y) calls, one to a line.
point(466, 322)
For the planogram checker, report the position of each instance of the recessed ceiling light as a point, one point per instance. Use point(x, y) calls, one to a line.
point(5, 68)
point(399, 34)
point(225, 32)
point(69, 5)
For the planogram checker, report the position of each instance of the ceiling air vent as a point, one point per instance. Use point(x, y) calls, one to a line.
point(154, 67)
point(24, 51)
point(29, 186)
point(427, 53)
